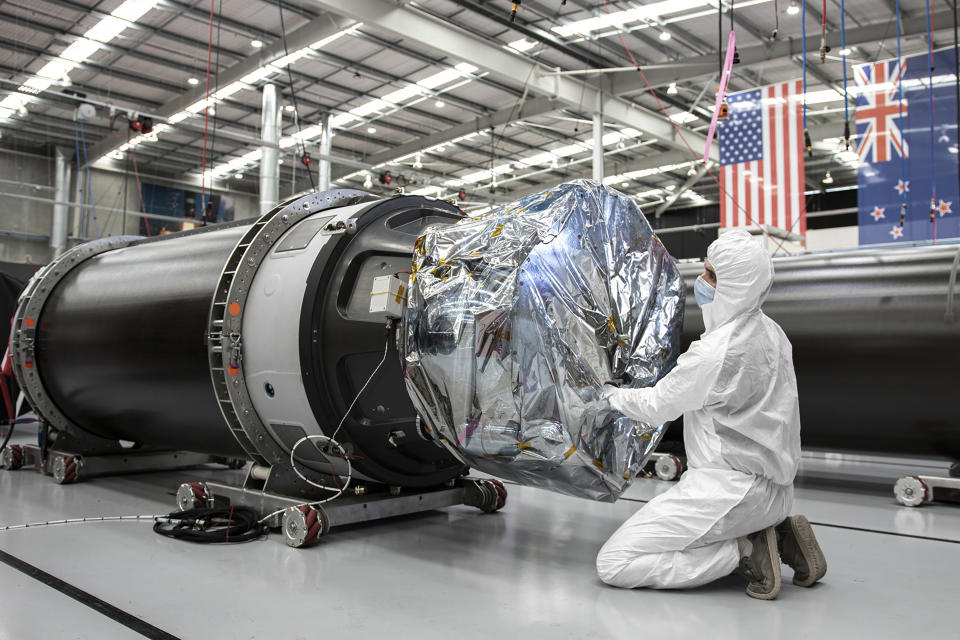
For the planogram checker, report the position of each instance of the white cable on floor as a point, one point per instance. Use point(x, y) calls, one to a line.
point(30, 525)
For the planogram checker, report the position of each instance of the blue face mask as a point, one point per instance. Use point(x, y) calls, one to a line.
point(703, 292)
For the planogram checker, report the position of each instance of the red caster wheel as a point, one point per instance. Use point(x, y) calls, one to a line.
point(303, 525)
point(12, 457)
point(192, 495)
point(496, 495)
point(66, 469)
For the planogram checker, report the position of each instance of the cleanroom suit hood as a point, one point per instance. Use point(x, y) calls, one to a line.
point(747, 274)
point(737, 392)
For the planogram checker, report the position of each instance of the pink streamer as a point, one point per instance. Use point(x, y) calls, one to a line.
point(721, 94)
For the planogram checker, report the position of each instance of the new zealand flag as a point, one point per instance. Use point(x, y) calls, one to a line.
point(901, 162)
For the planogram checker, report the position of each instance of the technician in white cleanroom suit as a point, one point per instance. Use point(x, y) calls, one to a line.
point(737, 392)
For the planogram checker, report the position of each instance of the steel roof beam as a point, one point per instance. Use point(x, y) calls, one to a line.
point(18, 47)
point(624, 84)
point(311, 32)
point(534, 33)
point(518, 111)
point(144, 28)
point(508, 67)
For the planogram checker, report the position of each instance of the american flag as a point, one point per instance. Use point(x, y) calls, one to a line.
point(761, 159)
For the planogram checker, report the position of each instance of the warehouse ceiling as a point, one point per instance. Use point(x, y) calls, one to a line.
point(450, 94)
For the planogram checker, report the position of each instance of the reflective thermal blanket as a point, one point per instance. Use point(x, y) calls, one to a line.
point(515, 319)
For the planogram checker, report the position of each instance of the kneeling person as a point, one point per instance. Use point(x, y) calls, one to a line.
point(737, 392)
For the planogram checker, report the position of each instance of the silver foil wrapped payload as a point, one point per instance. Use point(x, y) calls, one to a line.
point(515, 320)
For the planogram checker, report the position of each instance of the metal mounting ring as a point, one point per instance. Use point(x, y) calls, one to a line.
point(225, 325)
point(26, 322)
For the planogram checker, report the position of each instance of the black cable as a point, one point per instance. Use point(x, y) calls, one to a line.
point(720, 38)
point(210, 525)
point(126, 170)
point(216, 89)
point(293, 97)
point(13, 423)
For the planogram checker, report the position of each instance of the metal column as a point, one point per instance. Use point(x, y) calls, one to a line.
point(61, 195)
point(326, 143)
point(598, 146)
point(269, 153)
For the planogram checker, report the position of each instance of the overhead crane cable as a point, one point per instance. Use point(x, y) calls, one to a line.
point(807, 142)
point(622, 41)
point(933, 163)
point(736, 203)
point(216, 90)
point(776, 18)
point(903, 148)
point(304, 156)
point(843, 58)
point(206, 110)
point(823, 33)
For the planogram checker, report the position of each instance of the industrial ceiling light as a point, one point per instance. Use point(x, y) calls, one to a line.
point(368, 181)
point(371, 129)
point(288, 108)
point(439, 104)
point(624, 185)
point(239, 176)
point(846, 52)
point(417, 163)
point(793, 9)
point(193, 81)
point(672, 89)
point(828, 179)
point(665, 35)
point(256, 44)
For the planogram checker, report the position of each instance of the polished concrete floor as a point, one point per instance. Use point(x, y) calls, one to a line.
point(524, 572)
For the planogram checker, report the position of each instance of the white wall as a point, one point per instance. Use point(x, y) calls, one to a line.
point(25, 224)
point(833, 238)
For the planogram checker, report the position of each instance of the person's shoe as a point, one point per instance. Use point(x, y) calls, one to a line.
point(799, 549)
point(760, 557)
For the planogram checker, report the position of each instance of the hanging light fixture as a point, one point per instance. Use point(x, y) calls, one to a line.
point(793, 9)
point(672, 89)
point(368, 182)
point(828, 179)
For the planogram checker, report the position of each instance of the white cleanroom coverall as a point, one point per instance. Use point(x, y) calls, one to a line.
point(737, 392)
